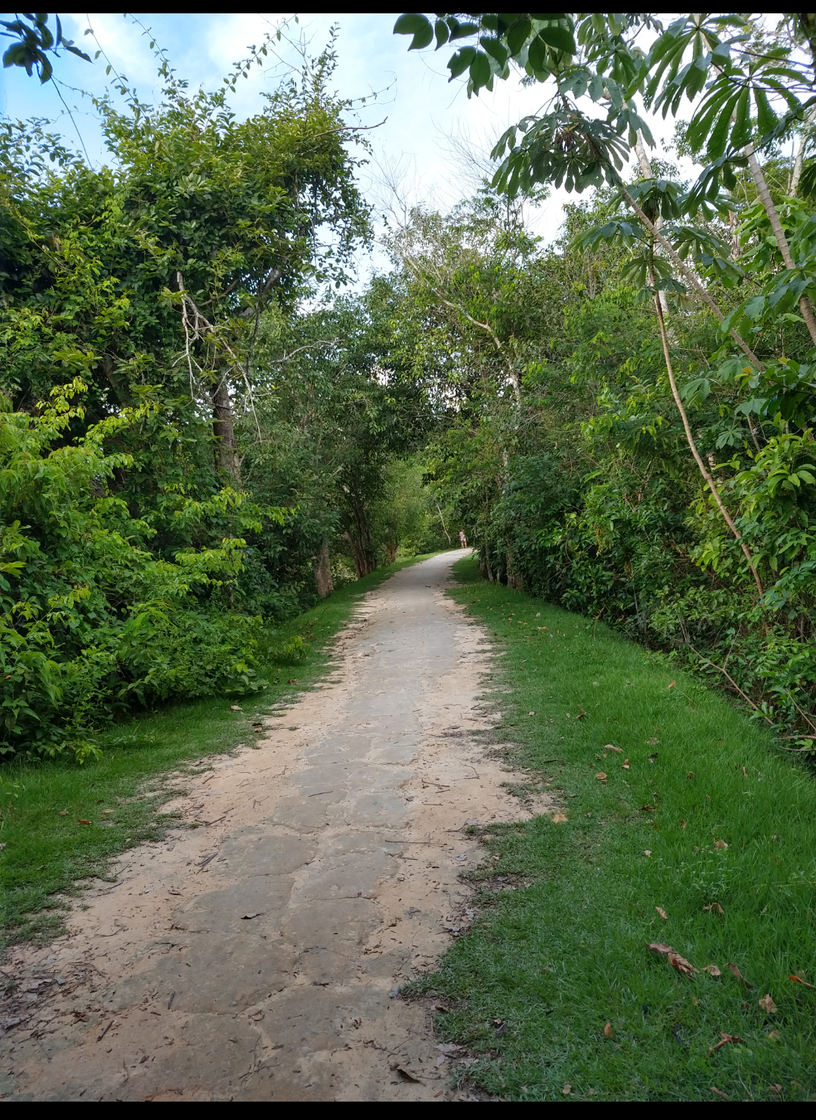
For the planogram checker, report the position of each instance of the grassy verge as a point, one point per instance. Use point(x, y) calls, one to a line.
point(554, 988)
point(47, 848)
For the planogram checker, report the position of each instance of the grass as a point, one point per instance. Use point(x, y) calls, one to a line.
point(547, 966)
point(46, 849)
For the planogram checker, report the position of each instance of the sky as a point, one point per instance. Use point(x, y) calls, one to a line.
point(408, 96)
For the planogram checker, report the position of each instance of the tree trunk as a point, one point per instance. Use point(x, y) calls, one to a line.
point(390, 553)
point(322, 572)
point(442, 519)
point(697, 457)
point(764, 193)
point(359, 537)
point(804, 135)
point(514, 579)
point(226, 447)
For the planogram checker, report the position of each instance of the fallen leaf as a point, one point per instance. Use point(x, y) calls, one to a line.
point(720, 1093)
point(81, 821)
point(659, 947)
point(647, 808)
point(797, 1085)
point(662, 913)
point(690, 774)
point(776, 1088)
point(773, 1036)
point(403, 1072)
point(767, 1004)
point(236, 708)
point(798, 980)
point(292, 680)
point(652, 742)
point(714, 908)
point(744, 772)
point(608, 1032)
point(580, 715)
point(712, 970)
point(249, 917)
point(673, 683)
point(567, 1089)
point(106, 811)
point(739, 975)
point(531, 713)
point(625, 764)
point(601, 776)
point(681, 964)
point(610, 747)
point(64, 813)
point(724, 1040)
point(721, 845)
point(647, 852)
point(558, 818)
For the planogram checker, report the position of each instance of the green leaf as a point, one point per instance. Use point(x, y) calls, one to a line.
point(480, 70)
point(462, 30)
point(419, 26)
point(558, 37)
point(766, 117)
point(410, 24)
point(461, 61)
point(537, 54)
point(518, 34)
point(441, 29)
point(495, 49)
point(719, 134)
point(741, 132)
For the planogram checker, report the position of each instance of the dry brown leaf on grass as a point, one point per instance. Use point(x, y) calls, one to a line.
point(567, 1089)
point(647, 808)
point(739, 975)
point(81, 821)
point(720, 845)
point(799, 980)
point(659, 947)
point(662, 913)
point(601, 776)
point(724, 1039)
point(625, 765)
point(611, 747)
point(767, 1004)
point(558, 818)
point(681, 964)
point(647, 852)
point(608, 1032)
point(714, 908)
point(773, 1036)
point(712, 970)
point(236, 708)
point(673, 683)
point(723, 1096)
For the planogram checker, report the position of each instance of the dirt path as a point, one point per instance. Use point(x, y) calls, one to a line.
point(258, 957)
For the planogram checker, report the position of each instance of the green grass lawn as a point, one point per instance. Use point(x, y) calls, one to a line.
point(46, 848)
point(697, 833)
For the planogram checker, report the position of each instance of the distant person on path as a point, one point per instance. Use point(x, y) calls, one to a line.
point(462, 538)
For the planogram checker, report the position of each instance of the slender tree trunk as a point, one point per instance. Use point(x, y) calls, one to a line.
point(764, 193)
point(322, 572)
point(804, 136)
point(226, 447)
point(646, 168)
point(686, 272)
point(704, 471)
point(442, 519)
